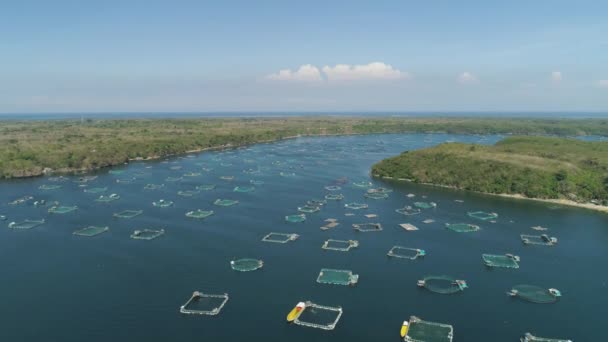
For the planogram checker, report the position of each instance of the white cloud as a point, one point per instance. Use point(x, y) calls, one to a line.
point(602, 83)
point(306, 72)
point(467, 78)
point(371, 71)
point(556, 76)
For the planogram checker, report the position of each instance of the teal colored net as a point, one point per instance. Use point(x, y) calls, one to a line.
point(543, 239)
point(108, 198)
point(199, 214)
point(244, 189)
point(425, 205)
point(482, 215)
point(26, 224)
point(462, 227)
point(319, 316)
point(506, 261)
point(147, 234)
point(246, 265)
point(128, 214)
point(340, 245)
point(204, 304)
point(91, 231)
point(334, 197)
point(376, 195)
point(407, 210)
point(207, 187)
point(153, 186)
point(423, 331)
point(362, 184)
point(295, 218)
point(355, 206)
point(225, 202)
point(535, 294)
point(162, 203)
point(309, 209)
point(62, 209)
point(188, 193)
point(531, 338)
point(367, 227)
point(442, 284)
point(49, 187)
point(406, 253)
point(95, 190)
point(337, 277)
point(280, 237)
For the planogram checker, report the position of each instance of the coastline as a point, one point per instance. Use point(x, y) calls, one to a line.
point(559, 201)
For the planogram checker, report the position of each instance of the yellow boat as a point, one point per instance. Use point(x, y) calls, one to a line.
point(404, 328)
point(296, 311)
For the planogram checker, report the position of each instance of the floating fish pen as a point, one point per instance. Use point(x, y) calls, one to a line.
point(280, 237)
point(95, 190)
point(367, 227)
point(225, 202)
point(482, 215)
point(147, 234)
point(243, 189)
point(376, 195)
point(62, 209)
point(227, 178)
point(256, 182)
point(337, 277)
point(251, 171)
point(85, 179)
point(153, 186)
point(334, 197)
point(49, 187)
point(309, 209)
point(2, 217)
point(246, 264)
point(442, 284)
point(531, 338)
point(427, 221)
point(127, 214)
point(406, 253)
point(333, 188)
point(356, 206)
point(408, 211)
point(379, 190)
point(21, 200)
point(175, 167)
point(162, 203)
point(116, 172)
point(505, 261)
point(424, 331)
point(125, 180)
point(91, 231)
point(109, 198)
point(362, 184)
point(173, 179)
point(295, 218)
point(188, 193)
point(204, 304)
point(26, 224)
point(535, 294)
point(319, 316)
point(316, 203)
point(425, 205)
point(205, 187)
point(462, 227)
point(199, 214)
point(543, 239)
point(340, 245)
point(192, 174)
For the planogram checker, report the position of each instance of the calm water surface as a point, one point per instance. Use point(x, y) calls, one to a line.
point(57, 286)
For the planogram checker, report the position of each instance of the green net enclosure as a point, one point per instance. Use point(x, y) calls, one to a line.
point(462, 227)
point(204, 304)
point(108, 198)
point(225, 202)
point(363, 184)
point(543, 239)
point(337, 277)
point(295, 218)
point(424, 331)
point(91, 231)
point(205, 187)
point(334, 197)
point(319, 316)
point(280, 237)
point(505, 261)
point(367, 227)
point(162, 203)
point(244, 189)
point(340, 245)
point(333, 188)
point(95, 190)
point(246, 264)
point(355, 206)
point(408, 210)
point(425, 205)
point(442, 284)
point(153, 186)
point(482, 215)
point(63, 209)
point(26, 224)
point(376, 195)
point(147, 234)
point(309, 209)
point(188, 193)
point(531, 338)
point(199, 214)
point(535, 294)
point(49, 187)
point(128, 214)
point(406, 252)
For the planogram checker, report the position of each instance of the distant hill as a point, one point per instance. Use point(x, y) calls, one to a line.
point(536, 167)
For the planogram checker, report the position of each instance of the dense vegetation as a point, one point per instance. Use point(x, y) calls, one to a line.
point(27, 148)
point(537, 167)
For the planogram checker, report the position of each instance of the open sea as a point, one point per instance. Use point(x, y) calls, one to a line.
point(57, 286)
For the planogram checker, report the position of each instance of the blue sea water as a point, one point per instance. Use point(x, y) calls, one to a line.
point(57, 286)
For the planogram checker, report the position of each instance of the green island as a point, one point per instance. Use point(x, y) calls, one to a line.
point(34, 148)
point(536, 167)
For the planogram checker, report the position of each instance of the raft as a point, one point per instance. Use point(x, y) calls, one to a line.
point(296, 311)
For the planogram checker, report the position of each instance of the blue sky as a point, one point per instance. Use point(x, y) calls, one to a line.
point(107, 56)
